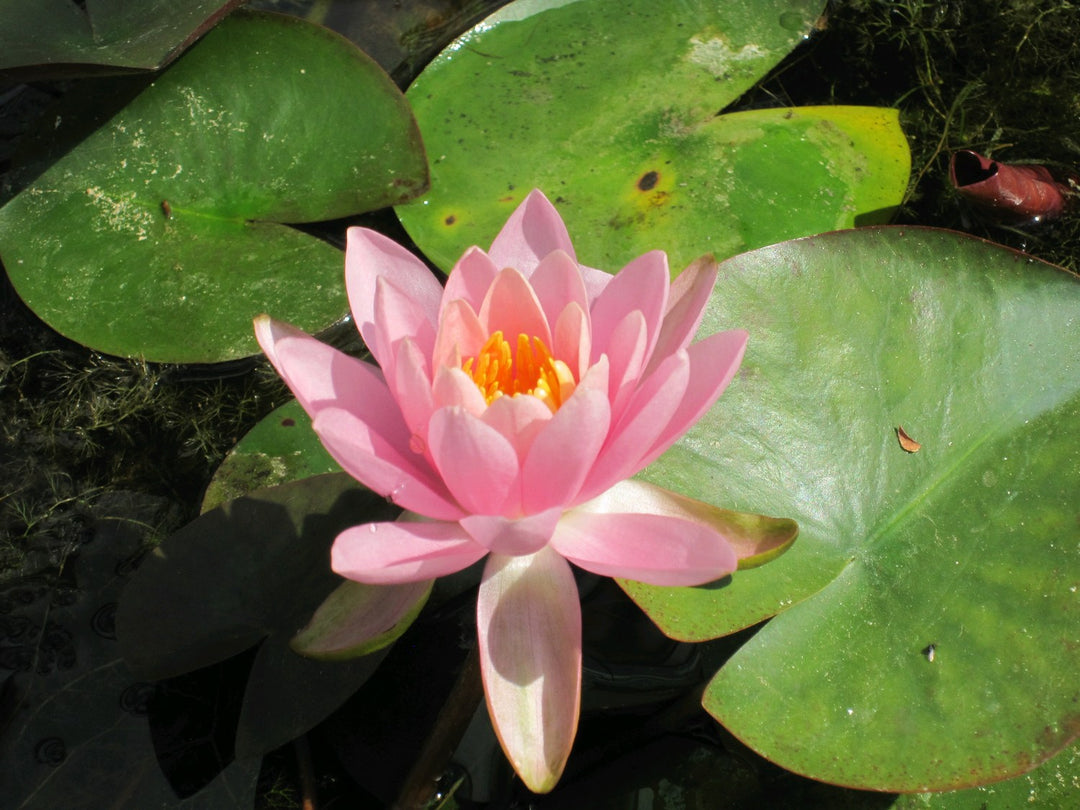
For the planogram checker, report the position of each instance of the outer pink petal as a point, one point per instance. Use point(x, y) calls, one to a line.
point(656, 549)
point(397, 317)
point(649, 410)
point(405, 551)
point(478, 464)
point(713, 363)
point(390, 469)
point(519, 419)
point(690, 293)
point(534, 230)
point(528, 619)
point(641, 285)
point(370, 255)
point(460, 335)
point(512, 536)
point(511, 307)
point(470, 279)
point(557, 282)
point(565, 451)
point(320, 376)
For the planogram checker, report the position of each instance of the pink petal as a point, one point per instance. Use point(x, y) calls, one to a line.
point(565, 451)
point(454, 388)
point(369, 256)
point(519, 419)
point(511, 307)
point(320, 376)
point(390, 468)
point(690, 293)
point(478, 464)
point(405, 551)
point(412, 390)
point(528, 619)
point(627, 351)
point(470, 279)
point(557, 283)
point(596, 282)
point(713, 363)
point(656, 549)
point(460, 336)
point(648, 412)
point(512, 536)
point(572, 340)
point(749, 536)
point(641, 285)
point(397, 317)
point(534, 230)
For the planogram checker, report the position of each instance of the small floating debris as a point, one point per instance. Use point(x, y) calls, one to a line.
point(1010, 194)
point(906, 442)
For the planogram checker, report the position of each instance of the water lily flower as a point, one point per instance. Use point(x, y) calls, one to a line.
point(510, 411)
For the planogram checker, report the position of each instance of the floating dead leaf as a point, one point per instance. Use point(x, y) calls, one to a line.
point(906, 442)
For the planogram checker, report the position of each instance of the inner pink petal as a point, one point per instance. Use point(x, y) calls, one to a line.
point(454, 388)
point(534, 230)
point(460, 335)
point(571, 339)
point(518, 418)
point(565, 451)
point(528, 620)
point(478, 464)
point(511, 307)
point(656, 549)
point(404, 551)
point(557, 283)
point(470, 279)
point(627, 353)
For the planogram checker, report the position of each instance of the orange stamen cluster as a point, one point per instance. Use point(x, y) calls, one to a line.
point(529, 370)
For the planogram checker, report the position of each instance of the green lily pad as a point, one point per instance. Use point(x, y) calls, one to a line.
point(281, 447)
point(160, 235)
point(611, 108)
point(928, 636)
point(1054, 785)
point(60, 36)
point(252, 572)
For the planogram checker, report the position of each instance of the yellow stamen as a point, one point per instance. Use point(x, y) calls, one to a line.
point(529, 370)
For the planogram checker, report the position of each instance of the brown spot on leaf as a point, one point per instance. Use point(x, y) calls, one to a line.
point(906, 442)
point(648, 181)
point(166, 209)
point(288, 422)
point(450, 220)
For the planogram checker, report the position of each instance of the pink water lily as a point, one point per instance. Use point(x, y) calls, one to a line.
point(510, 410)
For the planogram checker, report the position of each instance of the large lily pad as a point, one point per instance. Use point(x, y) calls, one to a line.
point(252, 572)
point(55, 36)
point(612, 108)
point(160, 234)
point(929, 633)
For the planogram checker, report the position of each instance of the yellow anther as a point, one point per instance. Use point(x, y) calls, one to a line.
point(528, 370)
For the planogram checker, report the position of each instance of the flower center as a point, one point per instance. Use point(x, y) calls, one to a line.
point(529, 370)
